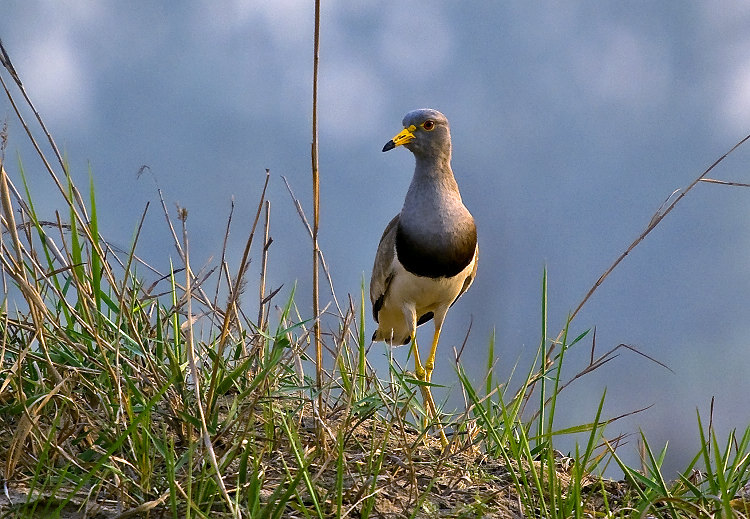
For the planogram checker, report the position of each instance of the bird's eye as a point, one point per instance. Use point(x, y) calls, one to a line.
point(428, 125)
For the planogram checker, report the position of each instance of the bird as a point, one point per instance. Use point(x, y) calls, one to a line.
point(427, 256)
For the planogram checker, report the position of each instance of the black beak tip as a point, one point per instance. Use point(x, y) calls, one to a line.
point(389, 145)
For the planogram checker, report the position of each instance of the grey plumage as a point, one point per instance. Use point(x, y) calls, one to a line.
point(427, 256)
point(433, 237)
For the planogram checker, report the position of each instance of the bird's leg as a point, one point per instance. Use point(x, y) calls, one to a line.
point(419, 370)
point(429, 366)
point(429, 402)
point(423, 375)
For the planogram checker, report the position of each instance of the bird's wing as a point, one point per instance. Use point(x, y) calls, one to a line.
point(382, 272)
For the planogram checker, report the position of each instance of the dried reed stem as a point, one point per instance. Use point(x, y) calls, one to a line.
point(316, 225)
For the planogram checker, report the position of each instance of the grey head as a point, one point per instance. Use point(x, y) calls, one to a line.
point(426, 134)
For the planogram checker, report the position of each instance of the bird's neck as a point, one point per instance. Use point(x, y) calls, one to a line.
point(432, 193)
point(429, 165)
point(434, 171)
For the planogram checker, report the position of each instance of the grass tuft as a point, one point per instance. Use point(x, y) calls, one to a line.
point(126, 391)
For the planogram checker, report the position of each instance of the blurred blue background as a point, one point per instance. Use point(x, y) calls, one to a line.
point(571, 125)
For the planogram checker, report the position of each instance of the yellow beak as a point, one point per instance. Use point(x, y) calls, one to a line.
point(404, 136)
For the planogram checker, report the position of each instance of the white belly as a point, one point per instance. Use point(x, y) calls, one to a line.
point(410, 297)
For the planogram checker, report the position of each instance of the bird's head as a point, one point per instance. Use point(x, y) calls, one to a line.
point(426, 132)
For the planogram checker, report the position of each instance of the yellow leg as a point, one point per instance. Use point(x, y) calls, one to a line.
point(419, 371)
point(423, 375)
point(430, 364)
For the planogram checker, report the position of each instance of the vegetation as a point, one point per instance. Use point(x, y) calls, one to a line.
point(126, 392)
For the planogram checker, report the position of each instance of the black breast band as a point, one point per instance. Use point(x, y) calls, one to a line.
point(435, 259)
